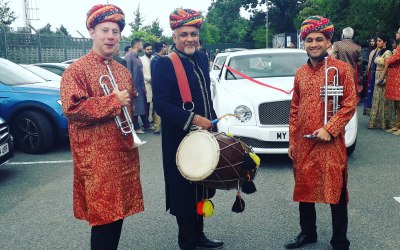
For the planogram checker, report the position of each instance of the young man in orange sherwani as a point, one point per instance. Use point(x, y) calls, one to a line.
point(320, 164)
point(106, 168)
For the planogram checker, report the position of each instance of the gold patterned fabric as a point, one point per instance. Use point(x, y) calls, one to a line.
point(106, 184)
point(382, 109)
point(320, 168)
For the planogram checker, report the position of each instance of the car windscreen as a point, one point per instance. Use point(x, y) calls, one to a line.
point(45, 74)
point(265, 65)
point(13, 74)
point(219, 62)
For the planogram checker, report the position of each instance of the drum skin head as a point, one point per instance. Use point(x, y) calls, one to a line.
point(197, 155)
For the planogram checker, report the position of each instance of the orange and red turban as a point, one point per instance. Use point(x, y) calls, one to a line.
point(105, 13)
point(185, 17)
point(317, 24)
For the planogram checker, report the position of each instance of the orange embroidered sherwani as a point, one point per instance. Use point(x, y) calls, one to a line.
point(106, 169)
point(393, 79)
point(320, 168)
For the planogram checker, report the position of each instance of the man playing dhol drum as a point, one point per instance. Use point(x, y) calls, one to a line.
point(181, 194)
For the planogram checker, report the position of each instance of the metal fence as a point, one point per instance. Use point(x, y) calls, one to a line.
point(36, 48)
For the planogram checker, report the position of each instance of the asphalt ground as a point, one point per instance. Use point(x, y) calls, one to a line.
point(36, 203)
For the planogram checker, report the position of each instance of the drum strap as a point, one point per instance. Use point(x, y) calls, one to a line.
point(181, 77)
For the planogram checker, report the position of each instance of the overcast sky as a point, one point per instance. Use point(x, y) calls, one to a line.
point(72, 13)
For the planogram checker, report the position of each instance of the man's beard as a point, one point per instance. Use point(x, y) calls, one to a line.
point(189, 50)
point(148, 55)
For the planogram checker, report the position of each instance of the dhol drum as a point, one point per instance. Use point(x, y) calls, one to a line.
point(213, 159)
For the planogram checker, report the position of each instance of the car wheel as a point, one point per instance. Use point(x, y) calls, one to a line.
point(351, 149)
point(32, 132)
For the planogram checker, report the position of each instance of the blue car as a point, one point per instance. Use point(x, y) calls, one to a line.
point(32, 108)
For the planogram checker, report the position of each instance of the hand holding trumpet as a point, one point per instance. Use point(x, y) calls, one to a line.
point(123, 97)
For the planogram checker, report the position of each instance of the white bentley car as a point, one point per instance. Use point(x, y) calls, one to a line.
point(256, 86)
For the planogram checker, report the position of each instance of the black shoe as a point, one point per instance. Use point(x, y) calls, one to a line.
point(301, 240)
point(203, 242)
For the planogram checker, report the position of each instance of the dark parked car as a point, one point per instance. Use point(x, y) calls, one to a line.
point(6, 143)
point(57, 68)
point(32, 108)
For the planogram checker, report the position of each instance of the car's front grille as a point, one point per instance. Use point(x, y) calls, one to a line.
point(4, 133)
point(274, 113)
point(264, 144)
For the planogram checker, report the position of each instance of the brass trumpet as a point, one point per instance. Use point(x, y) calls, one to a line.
point(331, 89)
point(123, 121)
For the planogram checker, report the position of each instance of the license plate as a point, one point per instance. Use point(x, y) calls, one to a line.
point(279, 136)
point(4, 149)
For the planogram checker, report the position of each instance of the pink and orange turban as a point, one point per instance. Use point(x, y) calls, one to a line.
point(105, 13)
point(185, 17)
point(317, 24)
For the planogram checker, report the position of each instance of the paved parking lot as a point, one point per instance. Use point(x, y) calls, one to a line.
point(36, 203)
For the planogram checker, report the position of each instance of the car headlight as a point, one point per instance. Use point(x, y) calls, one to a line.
point(243, 113)
point(59, 102)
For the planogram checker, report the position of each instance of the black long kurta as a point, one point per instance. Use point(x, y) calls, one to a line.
point(176, 122)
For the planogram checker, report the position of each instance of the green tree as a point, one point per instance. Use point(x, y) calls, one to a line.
point(46, 30)
point(281, 13)
point(367, 18)
point(224, 15)
point(7, 16)
point(144, 36)
point(63, 31)
point(154, 28)
point(136, 25)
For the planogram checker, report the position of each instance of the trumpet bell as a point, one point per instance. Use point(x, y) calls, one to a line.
point(136, 140)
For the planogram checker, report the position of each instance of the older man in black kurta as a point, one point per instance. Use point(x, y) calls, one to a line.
point(181, 194)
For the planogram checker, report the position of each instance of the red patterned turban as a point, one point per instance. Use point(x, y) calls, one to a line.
point(317, 24)
point(105, 13)
point(185, 17)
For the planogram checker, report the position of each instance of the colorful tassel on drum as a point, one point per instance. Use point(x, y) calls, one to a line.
point(255, 158)
point(199, 208)
point(248, 185)
point(208, 208)
point(205, 208)
point(239, 204)
point(249, 163)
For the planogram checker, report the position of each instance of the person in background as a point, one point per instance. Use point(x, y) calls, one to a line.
point(148, 52)
point(318, 150)
point(372, 44)
point(119, 59)
point(127, 49)
point(106, 185)
point(393, 84)
point(348, 51)
point(381, 114)
point(135, 66)
point(177, 120)
point(160, 50)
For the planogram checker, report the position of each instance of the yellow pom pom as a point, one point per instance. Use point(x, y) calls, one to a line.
point(255, 158)
point(229, 134)
point(208, 208)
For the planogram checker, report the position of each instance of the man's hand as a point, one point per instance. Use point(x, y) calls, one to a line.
point(322, 135)
point(290, 152)
point(202, 122)
point(123, 97)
